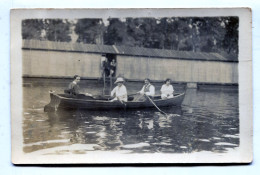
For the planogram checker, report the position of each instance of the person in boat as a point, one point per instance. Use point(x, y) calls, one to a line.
point(167, 90)
point(119, 92)
point(73, 88)
point(147, 90)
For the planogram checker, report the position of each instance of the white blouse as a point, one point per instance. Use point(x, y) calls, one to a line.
point(167, 90)
point(119, 92)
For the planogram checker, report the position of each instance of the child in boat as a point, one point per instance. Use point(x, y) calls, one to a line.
point(167, 89)
point(119, 92)
point(73, 88)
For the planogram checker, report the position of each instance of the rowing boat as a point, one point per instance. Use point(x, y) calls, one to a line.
point(65, 101)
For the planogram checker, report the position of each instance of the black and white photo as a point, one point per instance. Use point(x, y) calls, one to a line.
point(131, 86)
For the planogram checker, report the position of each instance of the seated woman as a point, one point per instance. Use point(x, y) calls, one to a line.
point(73, 88)
point(167, 89)
point(119, 92)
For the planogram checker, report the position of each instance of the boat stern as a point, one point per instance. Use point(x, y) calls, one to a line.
point(54, 103)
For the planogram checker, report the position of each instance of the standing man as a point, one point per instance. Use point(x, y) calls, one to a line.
point(105, 66)
point(119, 92)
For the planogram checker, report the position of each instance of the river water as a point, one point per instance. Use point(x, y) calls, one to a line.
point(208, 120)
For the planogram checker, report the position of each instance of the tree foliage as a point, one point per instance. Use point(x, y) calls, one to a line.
point(207, 34)
point(32, 29)
point(115, 33)
point(46, 29)
point(90, 31)
point(57, 30)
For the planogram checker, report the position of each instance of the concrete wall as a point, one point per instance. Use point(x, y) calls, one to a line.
point(177, 70)
point(60, 64)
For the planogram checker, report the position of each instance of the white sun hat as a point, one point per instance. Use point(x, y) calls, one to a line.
point(119, 79)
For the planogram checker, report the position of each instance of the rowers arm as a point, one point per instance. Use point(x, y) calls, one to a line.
point(113, 92)
point(141, 91)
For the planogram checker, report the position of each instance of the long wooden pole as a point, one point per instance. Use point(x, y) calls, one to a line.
point(155, 105)
point(110, 83)
point(104, 81)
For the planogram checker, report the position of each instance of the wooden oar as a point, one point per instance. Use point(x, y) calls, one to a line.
point(133, 94)
point(108, 96)
point(155, 105)
point(122, 102)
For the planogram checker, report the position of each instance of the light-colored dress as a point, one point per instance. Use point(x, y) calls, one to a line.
point(167, 91)
point(120, 93)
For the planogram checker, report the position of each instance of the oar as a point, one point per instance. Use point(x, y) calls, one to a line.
point(122, 102)
point(107, 96)
point(155, 105)
point(133, 94)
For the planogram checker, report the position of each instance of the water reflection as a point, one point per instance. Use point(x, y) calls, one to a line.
point(207, 121)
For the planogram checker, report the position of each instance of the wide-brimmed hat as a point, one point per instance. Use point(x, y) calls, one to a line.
point(119, 79)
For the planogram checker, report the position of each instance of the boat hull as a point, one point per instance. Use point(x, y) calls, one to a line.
point(58, 101)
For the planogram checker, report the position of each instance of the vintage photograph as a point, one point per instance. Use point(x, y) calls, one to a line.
point(114, 87)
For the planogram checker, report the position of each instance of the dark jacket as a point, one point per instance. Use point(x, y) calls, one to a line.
point(73, 89)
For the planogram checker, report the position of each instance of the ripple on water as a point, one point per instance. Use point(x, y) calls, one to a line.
point(225, 144)
point(216, 138)
point(100, 118)
point(162, 144)
point(232, 128)
point(91, 132)
point(231, 136)
point(204, 140)
point(137, 145)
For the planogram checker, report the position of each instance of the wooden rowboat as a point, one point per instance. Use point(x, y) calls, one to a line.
point(65, 101)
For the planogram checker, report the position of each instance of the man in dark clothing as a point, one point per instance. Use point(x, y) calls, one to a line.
point(73, 88)
point(147, 90)
point(105, 66)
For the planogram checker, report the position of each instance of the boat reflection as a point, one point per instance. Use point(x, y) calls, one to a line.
point(112, 130)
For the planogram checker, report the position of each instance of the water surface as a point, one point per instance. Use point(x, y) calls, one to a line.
point(208, 120)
